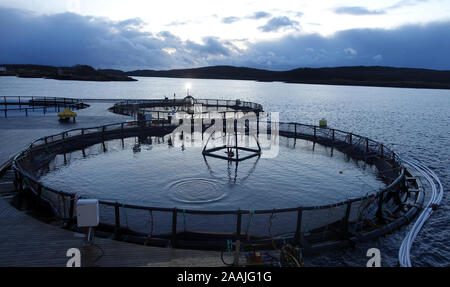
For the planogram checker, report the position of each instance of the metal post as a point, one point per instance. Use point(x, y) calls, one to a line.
point(257, 124)
point(351, 139)
point(367, 145)
point(174, 227)
point(382, 150)
point(379, 212)
point(71, 208)
point(347, 215)
point(238, 225)
point(26, 112)
point(117, 216)
point(298, 230)
point(315, 133)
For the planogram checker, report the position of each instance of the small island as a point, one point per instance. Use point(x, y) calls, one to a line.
point(75, 73)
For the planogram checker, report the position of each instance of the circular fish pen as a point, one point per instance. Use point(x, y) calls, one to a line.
point(208, 196)
point(13, 106)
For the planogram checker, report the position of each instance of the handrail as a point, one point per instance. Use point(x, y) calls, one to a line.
point(16, 167)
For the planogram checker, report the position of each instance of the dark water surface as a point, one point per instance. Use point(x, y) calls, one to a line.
point(413, 122)
point(161, 175)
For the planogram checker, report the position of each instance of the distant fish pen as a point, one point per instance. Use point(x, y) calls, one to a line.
point(315, 229)
point(29, 105)
point(165, 108)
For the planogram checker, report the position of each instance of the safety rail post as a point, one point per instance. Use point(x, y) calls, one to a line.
point(238, 225)
point(295, 130)
point(367, 145)
point(6, 112)
point(20, 104)
point(117, 220)
point(174, 227)
point(351, 138)
point(71, 209)
point(315, 133)
point(20, 183)
point(16, 180)
point(332, 135)
point(298, 230)
point(382, 151)
point(379, 212)
point(347, 215)
point(26, 112)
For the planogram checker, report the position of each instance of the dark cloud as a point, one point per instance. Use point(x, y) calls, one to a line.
point(69, 39)
point(259, 15)
point(212, 46)
point(357, 10)
point(231, 19)
point(277, 23)
point(423, 46)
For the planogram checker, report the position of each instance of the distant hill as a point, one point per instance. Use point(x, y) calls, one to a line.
point(78, 73)
point(352, 75)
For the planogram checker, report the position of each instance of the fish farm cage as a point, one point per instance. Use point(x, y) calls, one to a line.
point(29, 105)
point(315, 229)
point(189, 106)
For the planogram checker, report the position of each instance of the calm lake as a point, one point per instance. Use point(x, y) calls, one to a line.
point(413, 122)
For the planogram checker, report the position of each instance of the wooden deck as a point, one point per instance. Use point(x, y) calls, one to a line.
point(26, 241)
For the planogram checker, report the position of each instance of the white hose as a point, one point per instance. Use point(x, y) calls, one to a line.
point(436, 197)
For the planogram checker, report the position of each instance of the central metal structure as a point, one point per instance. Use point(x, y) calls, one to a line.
point(231, 148)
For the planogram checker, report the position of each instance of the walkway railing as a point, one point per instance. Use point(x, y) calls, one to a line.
point(30, 104)
point(349, 216)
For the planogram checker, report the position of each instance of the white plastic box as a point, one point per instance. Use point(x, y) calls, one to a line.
point(87, 213)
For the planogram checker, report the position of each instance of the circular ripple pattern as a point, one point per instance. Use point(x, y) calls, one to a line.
point(197, 190)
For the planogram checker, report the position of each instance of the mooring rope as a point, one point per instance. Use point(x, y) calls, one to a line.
point(436, 197)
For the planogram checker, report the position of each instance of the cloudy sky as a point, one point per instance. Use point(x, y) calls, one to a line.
point(277, 35)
